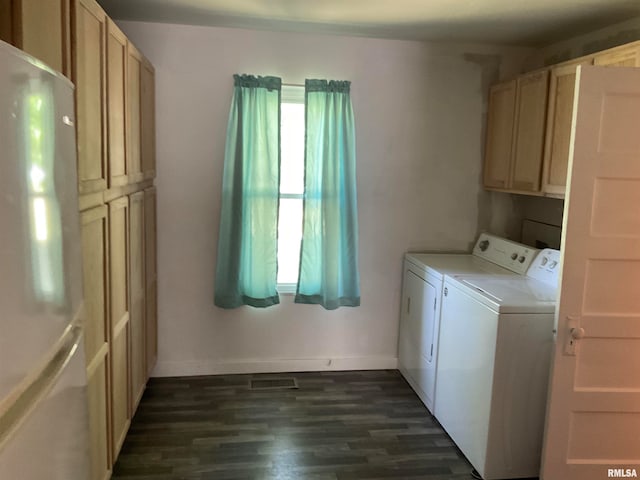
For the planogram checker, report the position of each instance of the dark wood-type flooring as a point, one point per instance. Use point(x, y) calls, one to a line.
point(335, 426)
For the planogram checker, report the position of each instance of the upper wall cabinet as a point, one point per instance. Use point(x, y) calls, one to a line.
point(134, 66)
point(559, 117)
point(540, 125)
point(40, 28)
point(626, 56)
point(116, 104)
point(515, 133)
point(148, 119)
point(531, 101)
point(497, 166)
point(89, 65)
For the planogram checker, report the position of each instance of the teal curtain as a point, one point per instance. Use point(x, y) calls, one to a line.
point(329, 252)
point(246, 266)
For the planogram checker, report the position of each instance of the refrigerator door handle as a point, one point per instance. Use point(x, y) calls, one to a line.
point(18, 405)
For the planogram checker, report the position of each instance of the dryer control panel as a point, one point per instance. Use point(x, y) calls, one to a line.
point(505, 253)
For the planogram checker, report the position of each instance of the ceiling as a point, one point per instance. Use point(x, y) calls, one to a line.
point(508, 22)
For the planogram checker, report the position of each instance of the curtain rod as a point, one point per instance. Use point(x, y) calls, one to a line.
point(292, 84)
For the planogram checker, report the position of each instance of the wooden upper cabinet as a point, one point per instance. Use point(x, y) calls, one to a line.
point(530, 120)
point(89, 65)
point(558, 138)
point(627, 56)
point(498, 149)
point(116, 104)
point(40, 28)
point(148, 119)
point(134, 65)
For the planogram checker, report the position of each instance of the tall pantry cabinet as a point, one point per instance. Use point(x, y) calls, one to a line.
point(116, 166)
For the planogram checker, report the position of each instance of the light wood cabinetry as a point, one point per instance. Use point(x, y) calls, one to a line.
point(115, 132)
point(626, 56)
point(528, 130)
point(119, 320)
point(89, 65)
point(134, 67)
point(500, 118)
point(137, 297)
point(94, 233)
point(515, 133)
point(148, 119)
point(97, 393)
point(559, 117)
point(151, 278)
point(530, 119)
point(40, 28)
point(116, 104)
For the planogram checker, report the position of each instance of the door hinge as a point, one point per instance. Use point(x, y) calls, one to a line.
point(431, 354)
point(435, 302)
point(408, 304)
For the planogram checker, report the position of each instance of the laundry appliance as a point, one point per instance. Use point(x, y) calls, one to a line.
point(496, 337)
point(422, 297)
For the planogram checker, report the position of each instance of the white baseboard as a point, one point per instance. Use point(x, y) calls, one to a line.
point(271, 365)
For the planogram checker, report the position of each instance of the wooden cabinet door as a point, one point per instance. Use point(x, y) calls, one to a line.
point(559, 116)
point(531, 110)
point(119, 313)
point(98, 402)
point(133, 114)
point(619, 57)
point(40, 28)
point(148, 119)
point(90, 25)
point(116, 103)
point(151, 278)
point(136, 275)
point(94, 236)
point(498, 150)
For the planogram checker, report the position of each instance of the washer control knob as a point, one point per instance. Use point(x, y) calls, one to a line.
point(484, 244)
point(521, 259)
point(514, 255)
point(553, 264)
point(544, 261)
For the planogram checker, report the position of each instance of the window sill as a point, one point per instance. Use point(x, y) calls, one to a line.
point(286, 288)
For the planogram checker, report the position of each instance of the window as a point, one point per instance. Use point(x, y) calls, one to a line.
point(292, 125)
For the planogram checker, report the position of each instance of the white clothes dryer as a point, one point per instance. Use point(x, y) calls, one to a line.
point(422, 296)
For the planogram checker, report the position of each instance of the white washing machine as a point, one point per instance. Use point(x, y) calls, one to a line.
point(496, 337)
point(422, 297)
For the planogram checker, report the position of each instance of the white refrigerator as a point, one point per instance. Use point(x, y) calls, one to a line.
point(43, 386)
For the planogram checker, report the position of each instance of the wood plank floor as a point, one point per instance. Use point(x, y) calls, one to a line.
point(335, 426)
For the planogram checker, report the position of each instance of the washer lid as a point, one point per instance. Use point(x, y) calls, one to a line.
point(440, 264)
point(514, 294)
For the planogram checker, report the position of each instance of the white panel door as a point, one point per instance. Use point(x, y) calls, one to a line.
point(593, 415)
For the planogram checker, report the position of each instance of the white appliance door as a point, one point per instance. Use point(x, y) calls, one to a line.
point(40, 263)
point(466, 356)
point(50, 438)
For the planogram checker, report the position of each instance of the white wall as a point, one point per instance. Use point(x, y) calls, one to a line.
point(419, 116)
